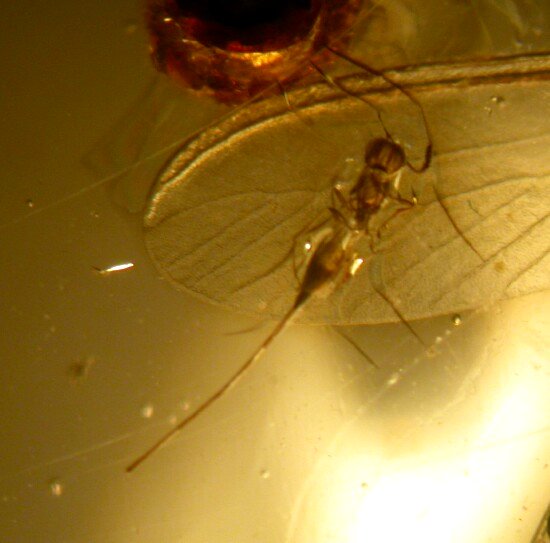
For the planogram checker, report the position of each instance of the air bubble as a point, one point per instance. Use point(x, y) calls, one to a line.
point(30, 203)
point(56, 488)
point(457, 320)
point(394, 378)
point(147, 411)
point(265, 474)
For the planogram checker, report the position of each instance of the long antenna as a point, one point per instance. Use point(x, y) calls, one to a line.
point(378, 73)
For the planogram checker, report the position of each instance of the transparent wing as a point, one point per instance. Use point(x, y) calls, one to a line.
point(226, 211)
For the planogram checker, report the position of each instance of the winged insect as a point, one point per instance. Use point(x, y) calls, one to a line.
point(332, 258)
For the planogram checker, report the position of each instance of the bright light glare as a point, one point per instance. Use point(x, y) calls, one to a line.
point(116, 268)
point(357, 263)
point(484, 487)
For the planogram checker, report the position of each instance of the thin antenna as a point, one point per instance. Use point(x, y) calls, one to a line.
point(338, 85)
point(377, 73)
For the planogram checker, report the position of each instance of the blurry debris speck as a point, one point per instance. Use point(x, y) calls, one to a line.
point(131, 28)
point(79, 371)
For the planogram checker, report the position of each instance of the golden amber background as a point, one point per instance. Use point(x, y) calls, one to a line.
point(313, 445)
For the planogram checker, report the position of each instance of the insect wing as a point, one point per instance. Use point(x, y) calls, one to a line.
point(228, 210)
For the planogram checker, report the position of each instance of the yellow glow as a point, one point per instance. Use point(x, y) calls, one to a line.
point(449, 499)
point(261, 59)
point(466, 491)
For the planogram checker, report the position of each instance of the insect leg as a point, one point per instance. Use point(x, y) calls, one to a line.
point(337, 195)
point(375, 281)
point(429, 148)
point(386, 222)
point(338, 217)
point(354, 344)
point(451, 220)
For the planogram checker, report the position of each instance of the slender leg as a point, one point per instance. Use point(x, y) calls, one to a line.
point(336, 194)
point(454, 224)
point(392, 216)
point(338, 217)
point(354, 344)
point(380, 291)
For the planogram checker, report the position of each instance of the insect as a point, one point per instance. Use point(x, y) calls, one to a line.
point(334, 259)
point(234, 50)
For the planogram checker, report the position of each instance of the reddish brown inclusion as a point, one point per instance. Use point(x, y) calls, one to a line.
point(232, 50)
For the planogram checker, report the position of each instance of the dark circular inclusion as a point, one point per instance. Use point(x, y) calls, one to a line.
point(240, 14)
